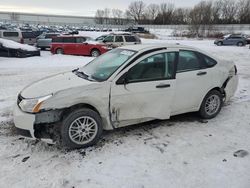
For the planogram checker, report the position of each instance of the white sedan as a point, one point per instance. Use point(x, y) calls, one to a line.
point(125, 86)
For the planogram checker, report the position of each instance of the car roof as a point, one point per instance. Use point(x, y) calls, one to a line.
point(145, 47)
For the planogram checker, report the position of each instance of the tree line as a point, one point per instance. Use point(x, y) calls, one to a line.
point(202, 13)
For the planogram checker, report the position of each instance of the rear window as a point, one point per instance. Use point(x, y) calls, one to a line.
point(10, 34)
point(57, 39)
point(130, 38)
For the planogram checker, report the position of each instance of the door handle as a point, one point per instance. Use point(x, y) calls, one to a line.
point(201, 73)
point(163, 86)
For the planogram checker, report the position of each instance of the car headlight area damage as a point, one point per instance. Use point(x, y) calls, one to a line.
point(32, 121)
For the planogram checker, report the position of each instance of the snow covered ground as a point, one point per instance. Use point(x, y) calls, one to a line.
point(181, 152)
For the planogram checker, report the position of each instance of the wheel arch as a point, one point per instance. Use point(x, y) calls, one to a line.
point(221, 90)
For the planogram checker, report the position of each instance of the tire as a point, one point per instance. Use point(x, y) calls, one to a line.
point(219, 43)
point(211, 105)
point(75, 129)
point(59, 51)
point(95, 53)
point(240, 44)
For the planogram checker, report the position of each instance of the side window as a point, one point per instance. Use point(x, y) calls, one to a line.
point(69, 40)
point(130, 38)
point(156, 67)
point(118, 39)
point(109, 38)
point(80, 40)
point(57, 39)
point(188, 61)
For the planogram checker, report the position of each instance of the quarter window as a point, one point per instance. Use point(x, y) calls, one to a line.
point(130, 38)
point(80, 40)
point(188, 61)
point(156, 67)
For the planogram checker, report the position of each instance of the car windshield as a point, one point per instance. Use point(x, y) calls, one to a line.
point(101, 68)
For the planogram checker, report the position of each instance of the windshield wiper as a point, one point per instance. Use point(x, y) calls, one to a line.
point(82, 74)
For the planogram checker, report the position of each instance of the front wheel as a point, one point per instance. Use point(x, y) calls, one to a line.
point(211, 105)
point(81, 128)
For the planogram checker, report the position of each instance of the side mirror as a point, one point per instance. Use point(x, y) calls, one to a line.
point(85, 43)
point(104, 41)
point(123, 80)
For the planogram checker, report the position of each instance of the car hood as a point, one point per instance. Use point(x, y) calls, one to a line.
point(54, 84)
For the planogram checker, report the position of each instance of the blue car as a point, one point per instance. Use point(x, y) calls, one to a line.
point(232, 40)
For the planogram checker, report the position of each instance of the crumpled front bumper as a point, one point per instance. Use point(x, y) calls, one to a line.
point(24, 122)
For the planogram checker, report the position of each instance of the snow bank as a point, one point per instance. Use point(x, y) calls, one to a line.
point(15, 45)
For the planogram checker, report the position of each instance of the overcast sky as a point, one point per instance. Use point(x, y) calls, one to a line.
point(76, 7)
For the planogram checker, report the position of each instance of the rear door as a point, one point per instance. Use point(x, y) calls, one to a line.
point(82, 48)
point(149, 91)
point(69, 45)
point(193, 81)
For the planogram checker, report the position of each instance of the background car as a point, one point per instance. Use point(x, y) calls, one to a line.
point(233, 39)
point(44, 40)
point(77, 45)
point(29, 37)
point(10, 48)
point(12, 35)
point(116, 40)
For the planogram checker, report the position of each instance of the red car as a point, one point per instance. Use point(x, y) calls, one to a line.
point(77, 45)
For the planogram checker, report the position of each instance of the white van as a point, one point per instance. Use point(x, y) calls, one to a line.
point(12, 35)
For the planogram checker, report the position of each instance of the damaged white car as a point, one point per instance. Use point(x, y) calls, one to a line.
point(125, 86)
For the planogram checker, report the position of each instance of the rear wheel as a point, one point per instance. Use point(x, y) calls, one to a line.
point(211, 105)
point(81, 128)
point(59, 51)
point(240, 44)
point(95, 53)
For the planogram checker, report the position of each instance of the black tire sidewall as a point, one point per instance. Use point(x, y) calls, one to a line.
point(202, 111)
point(65, 139)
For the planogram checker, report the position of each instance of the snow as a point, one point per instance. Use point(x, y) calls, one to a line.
point(15, 45)
point(180, 152)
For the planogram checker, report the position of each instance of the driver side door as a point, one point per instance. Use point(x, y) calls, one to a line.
point(147, 90)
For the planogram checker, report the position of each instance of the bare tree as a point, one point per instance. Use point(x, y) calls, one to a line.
point(107, 15)
point(152, 12)
point(99, 16)
point(244, 11)
point(165, 13)
point(117, 16)
point(229, 11)
point(136, 10)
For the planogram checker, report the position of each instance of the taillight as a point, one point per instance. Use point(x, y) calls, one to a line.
point(21, 41)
